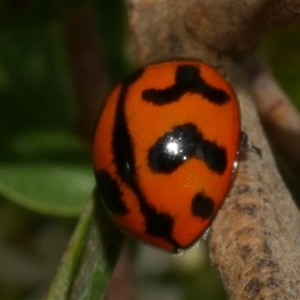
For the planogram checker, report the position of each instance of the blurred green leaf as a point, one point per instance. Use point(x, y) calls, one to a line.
point(48, 172)
point(47, 188)
point(87, 265)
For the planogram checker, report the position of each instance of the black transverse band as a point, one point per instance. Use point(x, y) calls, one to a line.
point(187, 79)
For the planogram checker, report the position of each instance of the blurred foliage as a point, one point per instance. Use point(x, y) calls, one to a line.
point(281, 50)
point(86, 267)
point(45, 167)
point(17, 13)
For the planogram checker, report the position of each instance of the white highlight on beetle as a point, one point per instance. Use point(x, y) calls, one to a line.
point(235, 165)
point(173, 148)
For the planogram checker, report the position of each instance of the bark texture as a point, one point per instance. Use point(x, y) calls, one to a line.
point(255, 238)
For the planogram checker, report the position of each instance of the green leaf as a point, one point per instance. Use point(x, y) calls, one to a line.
point(46, 171)
point(46, 187)
point(87, 265)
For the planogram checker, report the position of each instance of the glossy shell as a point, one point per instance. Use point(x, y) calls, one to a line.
point(164, 151)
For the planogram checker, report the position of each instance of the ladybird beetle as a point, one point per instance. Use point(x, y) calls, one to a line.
point(165, 150)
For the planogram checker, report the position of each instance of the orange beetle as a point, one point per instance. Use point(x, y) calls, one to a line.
point(164, 151)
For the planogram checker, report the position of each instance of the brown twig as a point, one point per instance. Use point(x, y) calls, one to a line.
point(280, 118)
point(255, 237)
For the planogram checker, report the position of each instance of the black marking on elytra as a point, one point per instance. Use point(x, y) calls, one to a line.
point(121, 143)
point(187, 80)
point(182, 143)
point(109, 191)
point(214, 156)
point(202, 206)
point(158, 224)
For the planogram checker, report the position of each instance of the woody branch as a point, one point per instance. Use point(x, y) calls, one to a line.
point(254, 239)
